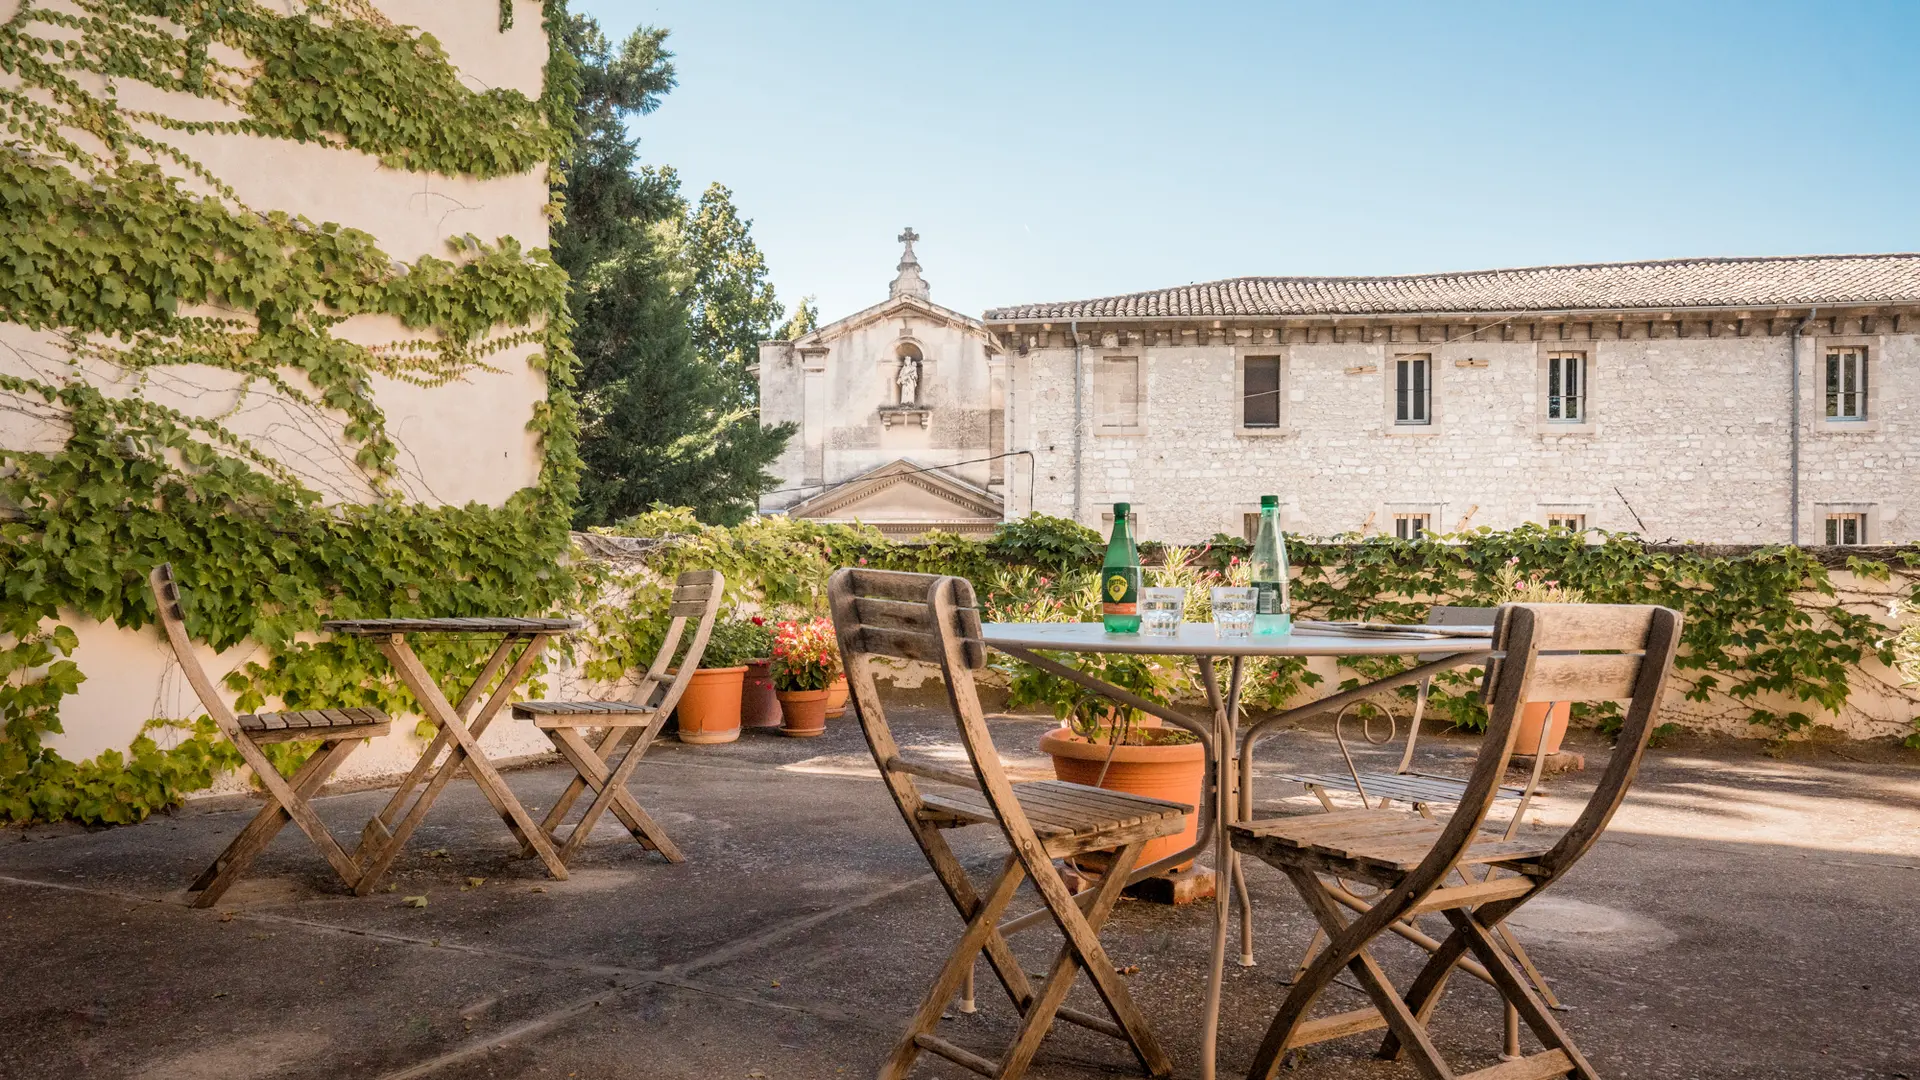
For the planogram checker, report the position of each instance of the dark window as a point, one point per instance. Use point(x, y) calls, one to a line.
point(1847, 384)
point(1846, 528)
point(1410, 526)
point(1566, 386)
point(1260, 393)
point(1412, 391)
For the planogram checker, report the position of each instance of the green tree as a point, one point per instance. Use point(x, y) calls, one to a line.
point(667, 412)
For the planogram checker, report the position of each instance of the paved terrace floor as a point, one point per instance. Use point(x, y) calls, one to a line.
point(1745, 917)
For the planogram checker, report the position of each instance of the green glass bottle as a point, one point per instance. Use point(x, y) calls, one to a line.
point(1272, 605)
point(1120, 578)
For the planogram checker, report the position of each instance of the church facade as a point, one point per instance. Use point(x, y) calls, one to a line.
point(901, 415)
point(1712, 400)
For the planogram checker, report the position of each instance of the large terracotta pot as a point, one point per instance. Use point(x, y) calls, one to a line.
point(709, 708)
point(803, 713)
point(837, 698)
point(1533, 718)
point(759, 705)
point(1175, 773)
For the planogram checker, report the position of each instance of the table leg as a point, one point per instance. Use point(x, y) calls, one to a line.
point(1223, 863)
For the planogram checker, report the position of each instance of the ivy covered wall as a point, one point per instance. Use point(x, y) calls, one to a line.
point(275, 306)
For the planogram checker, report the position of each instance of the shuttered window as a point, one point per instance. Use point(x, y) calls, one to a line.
point(1260, 392)
point(1411, 526)
point(1846, 528)
point(1117, 394)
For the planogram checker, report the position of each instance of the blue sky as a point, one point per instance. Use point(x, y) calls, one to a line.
point(1049, 151)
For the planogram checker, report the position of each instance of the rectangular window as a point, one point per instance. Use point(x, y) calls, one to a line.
point(1413, 390)
point(1575, 522)
point(1260, 393)
point(1567, 387)
point(1116, 394)
point(1847, 383)
point(1411, 526)
point(1846, 528)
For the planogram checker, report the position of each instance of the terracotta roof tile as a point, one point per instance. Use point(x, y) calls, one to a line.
point(1786, 281)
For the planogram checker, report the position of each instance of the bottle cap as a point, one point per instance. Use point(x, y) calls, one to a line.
point(1269, 502)
point(1120, 510)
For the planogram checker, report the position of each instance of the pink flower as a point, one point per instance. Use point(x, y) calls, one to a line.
point(863, 560)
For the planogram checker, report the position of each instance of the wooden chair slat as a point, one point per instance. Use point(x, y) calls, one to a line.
point(1583, 678)
point(699, 577)
point(1573, 627)
point(913, 617)
point(891, 585)
point(686, 609)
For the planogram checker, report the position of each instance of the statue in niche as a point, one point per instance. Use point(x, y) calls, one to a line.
point(908, 380)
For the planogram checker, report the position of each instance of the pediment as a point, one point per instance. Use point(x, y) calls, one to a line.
point(902, 491)
point(892, 308)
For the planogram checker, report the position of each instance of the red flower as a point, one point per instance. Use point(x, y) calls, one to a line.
point(758, 621)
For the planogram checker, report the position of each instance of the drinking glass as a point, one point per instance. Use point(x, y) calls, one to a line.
point(1160, 610)
point(1233, 612)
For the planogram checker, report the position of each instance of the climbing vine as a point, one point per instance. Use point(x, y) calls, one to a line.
point(142, 267)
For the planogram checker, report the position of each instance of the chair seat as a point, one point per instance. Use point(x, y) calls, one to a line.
point(354, 723)
point(1068, 818)
point(1374, 845)
point(1400, 787)
point(558, 714)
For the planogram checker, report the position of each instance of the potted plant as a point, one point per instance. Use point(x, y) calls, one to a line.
point(759, 707)
point(1513, 587)
point(709, 709)
point(806, 659)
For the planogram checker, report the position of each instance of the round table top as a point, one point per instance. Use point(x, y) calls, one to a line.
point(1201, 639)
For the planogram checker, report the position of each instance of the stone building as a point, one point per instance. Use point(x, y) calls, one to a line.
point(901, 414)
point(1717, 400)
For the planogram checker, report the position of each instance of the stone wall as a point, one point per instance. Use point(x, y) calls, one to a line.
point(1688, 436)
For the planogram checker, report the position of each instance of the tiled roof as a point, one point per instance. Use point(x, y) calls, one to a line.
point(1787, 281)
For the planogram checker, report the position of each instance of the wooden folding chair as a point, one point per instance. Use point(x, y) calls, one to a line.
point(630, 727)
point(1424, 792)
point(933, 619)
point(1545, 652)
point(340, 732)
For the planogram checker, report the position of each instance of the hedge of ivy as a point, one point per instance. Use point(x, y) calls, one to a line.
point(1761, 624)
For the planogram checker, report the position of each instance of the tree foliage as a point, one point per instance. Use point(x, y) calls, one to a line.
point(669, 304)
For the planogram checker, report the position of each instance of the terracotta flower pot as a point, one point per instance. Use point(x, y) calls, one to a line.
point(1173, 772)
point(709, 709)
point(837, 698)
point(803, 713)
point(1533, 718)
point(759, 705)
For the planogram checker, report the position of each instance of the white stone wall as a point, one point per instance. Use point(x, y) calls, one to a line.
point(1692, 432)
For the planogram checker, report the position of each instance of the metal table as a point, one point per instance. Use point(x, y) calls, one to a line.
point(1217, 734)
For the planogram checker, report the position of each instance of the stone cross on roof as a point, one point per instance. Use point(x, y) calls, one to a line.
point(909, 282)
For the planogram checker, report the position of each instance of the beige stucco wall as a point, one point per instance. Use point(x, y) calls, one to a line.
point(462, 442)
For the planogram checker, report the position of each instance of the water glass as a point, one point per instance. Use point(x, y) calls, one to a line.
point(1233, 612)
point(1160, 611)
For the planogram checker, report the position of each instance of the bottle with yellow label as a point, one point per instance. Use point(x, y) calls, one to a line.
point(1120, 577)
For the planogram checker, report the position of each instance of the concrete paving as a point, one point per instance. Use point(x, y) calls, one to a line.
point(1745, 917)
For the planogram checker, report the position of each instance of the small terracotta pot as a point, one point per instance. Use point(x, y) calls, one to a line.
point(837, 698)
point(709, 708)
point(803, 713)
point(1175, 773)
point(759, 705)
point(1533, 718)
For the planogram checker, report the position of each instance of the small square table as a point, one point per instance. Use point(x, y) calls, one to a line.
point(387, 833)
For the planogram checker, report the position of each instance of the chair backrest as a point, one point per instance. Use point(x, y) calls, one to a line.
point(933, 619)
point(696, 595)
point(173, 620)
point(1563, 653)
